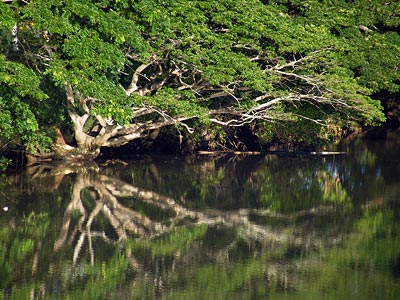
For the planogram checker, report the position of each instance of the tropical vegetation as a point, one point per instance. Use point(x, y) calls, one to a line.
point(77, 75)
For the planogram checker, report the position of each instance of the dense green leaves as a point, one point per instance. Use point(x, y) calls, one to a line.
point(367, 31)
point(19, 94)
point(228, 62)
point(6, 16)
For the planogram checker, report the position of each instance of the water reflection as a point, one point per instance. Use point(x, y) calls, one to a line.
point(274, 227)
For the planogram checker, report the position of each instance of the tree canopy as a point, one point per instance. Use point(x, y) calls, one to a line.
point(109, 72)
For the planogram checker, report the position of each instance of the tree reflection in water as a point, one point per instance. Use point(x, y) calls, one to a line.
point(162, 229)
point(105, 191)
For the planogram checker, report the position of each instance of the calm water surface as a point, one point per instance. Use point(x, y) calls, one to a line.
point(220, 227)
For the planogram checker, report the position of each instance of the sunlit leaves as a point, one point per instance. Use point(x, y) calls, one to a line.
point(7, 19)
point(220, 39)
point(172, 102)
point(46, 15)
point(109, 22)
point(19, 89)
point(88, 52)
point(203, 55)
point(366, 33)
point(22, 80)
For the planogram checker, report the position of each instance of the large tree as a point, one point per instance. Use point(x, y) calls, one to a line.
point(115, 71)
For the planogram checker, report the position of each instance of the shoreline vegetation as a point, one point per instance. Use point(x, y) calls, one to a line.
point(79, 79)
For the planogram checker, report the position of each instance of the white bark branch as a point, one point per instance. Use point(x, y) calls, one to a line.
point(82, 139)
point(133, 86)
point(267, 111)
point(299, 61)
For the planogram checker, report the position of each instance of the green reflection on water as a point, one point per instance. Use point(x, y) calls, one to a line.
point(298, 227)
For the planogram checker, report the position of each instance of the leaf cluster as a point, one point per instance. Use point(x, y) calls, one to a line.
point(19, 93)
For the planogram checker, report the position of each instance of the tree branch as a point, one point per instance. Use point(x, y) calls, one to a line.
point(78, 121)
point(133, 86)
point(297, 62)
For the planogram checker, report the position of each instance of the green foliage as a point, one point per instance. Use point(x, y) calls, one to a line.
point(201, 55)
point(4, 162)
point(283, 189)
point(376, 237)
point(179, 240)
point(7, 19)
point(17, 245)
point(20, 93)
point(366, 33)
point(173, 102)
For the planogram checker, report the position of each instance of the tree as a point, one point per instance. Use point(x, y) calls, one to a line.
point(118, 71)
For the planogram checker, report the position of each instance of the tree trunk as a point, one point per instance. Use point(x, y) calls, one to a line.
point(83, 152)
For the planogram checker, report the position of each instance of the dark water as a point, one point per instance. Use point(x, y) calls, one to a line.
point(220, 227)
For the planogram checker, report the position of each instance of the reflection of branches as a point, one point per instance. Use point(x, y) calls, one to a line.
point(235, 219)
point(75, 205)
point(125, 221)
point(122, 219)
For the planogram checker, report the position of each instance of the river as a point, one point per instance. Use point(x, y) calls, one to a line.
point(274, 226)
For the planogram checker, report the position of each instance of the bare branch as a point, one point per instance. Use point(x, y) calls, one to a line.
point(267, 111)
point(168, 120)
point(309, 80)
point(142, 111)
point(133, 87)
point(297, 62)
